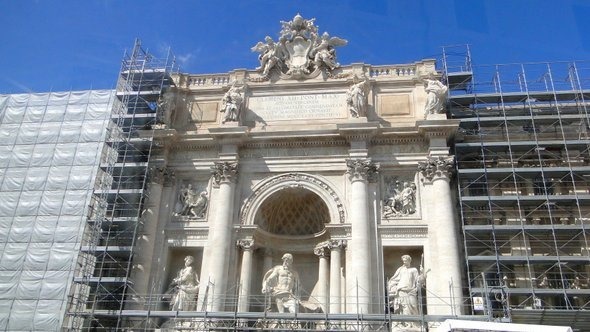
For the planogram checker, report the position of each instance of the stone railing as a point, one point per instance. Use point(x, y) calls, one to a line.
point(406, 71)
point(207, 80)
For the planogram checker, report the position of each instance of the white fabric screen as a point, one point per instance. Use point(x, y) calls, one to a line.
point(50, 145)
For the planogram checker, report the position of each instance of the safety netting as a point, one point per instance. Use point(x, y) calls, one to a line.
point(50, 147)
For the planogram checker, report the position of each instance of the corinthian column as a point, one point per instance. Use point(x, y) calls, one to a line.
point(360, 172)
point(323, 274)
point(219, 243)
point(247, 247)
point(445, 291)
point(336, 247)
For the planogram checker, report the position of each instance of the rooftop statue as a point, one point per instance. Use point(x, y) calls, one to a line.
point(436, 93)
point(300, 51)
point(231, 103)
point(356, 98)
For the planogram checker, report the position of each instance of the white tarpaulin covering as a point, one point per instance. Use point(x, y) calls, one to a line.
point(466, 325)
point(50, 146)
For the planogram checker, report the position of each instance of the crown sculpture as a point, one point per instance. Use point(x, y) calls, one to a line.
point(300, 51)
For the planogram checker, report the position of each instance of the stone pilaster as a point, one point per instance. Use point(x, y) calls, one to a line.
point(219, 243)
point(145, 241)
point(336, 247)
point(444, 286)
point(322, 252)
point(247, 246)
point(360, 172)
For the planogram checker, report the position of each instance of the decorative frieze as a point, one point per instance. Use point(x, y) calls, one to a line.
point(403, 232)
point(293, 151)
point(362, 169)
point(435, 167)
point(224, 172)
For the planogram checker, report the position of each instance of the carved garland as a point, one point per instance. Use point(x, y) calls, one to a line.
point(297, 177)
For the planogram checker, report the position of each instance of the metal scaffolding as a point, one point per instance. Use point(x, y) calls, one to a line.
point(102, 281)
point(523, 179)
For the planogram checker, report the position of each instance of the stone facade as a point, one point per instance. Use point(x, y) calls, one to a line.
point(295, 170)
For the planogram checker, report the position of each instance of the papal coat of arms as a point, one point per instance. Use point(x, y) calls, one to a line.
point(300, 51)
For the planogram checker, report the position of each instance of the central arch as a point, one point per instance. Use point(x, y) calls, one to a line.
point(293, 212)
point(289, 189)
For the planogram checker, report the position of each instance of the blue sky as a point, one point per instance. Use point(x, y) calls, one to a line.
point(74, 45)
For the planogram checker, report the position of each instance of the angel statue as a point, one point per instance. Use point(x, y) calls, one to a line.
point(270, 54)
point(325, 53)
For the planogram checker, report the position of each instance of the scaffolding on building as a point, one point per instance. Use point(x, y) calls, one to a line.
point(102, 281)
point(523, 179)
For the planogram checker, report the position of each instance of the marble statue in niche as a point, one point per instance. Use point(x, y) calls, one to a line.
point(281, 284)
point(232, 103)
point(436, 94)
point(356, 98)
point(403, 288)
point(185, 288)
point(191, 203)
point(401, 199)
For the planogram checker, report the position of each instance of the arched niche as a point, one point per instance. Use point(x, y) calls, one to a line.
point(293, 187)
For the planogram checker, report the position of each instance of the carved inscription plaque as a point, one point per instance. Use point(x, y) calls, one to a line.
point(297, 107)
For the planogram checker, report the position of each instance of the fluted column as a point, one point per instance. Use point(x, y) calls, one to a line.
point(219, 242)
point(336, 247)
point(323, 274)
point(444, 280)
point(360, 172)
point(247, 247)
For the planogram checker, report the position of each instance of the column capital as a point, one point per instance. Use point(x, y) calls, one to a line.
point(337, 244)
point(437, 167)
point(224, 171)
point(321, 249)
point(362, 169)
point(161, 175)
point(246, 244)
